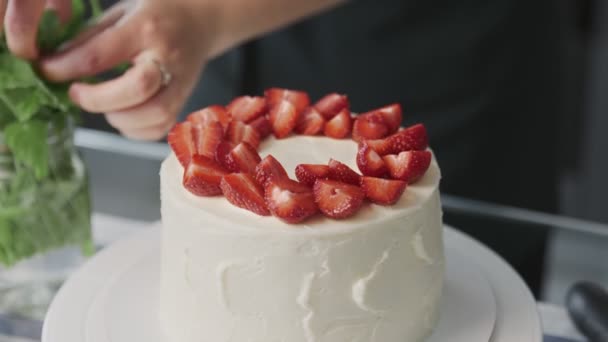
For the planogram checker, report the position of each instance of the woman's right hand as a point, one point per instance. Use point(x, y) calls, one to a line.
point(20, 19)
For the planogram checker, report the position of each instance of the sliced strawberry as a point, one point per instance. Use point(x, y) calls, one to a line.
point(408, 139)
point(370, 163)
point(269, 168)
point(239, 132)
point(299, 99)
point(413, 138)
point(336, 199)
point(311, 122)
point(262, 126)
point(381, 146)
point(309, 173)
point(369, 126)
point(181, 140)
point(247, 108)
point(245, 157)
point(283, 117)
point(340, 126)
point(382, 191)
point(392, 115)
point(202, 177)
point(207, 138)
point(224, 158)
point(289, 200)
point(332, 104)
point(341, 172)
point(211, 113)
point(408, 166)
point(242, 191)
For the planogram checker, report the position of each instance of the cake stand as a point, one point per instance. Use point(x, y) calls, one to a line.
point(114, 297)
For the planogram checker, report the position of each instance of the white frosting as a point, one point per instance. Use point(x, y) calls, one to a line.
point(229, 275)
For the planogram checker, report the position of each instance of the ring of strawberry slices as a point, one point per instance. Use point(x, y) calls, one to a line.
point(217, 146)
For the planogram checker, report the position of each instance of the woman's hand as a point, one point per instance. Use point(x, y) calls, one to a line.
point(20, 19)
point(165, 41)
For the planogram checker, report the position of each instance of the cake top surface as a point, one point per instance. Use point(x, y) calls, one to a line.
point(217, 213)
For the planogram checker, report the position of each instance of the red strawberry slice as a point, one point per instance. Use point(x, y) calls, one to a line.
point(332, 104)
point(408, 139)
point(299, 99)
point(239, 132)
point(242, 191)
point(370, 163)
point(311, 122)
point(283, 117)
point(209, 114)
point(382, 191)
point(381, 146)
point(342, 173)
point(309, 173)
point(408, 166)
point(262, 126)
point(289, 200)
point(369, 126)
point(224, 158)
point(269, 168)
point(340, 126)
point(392, 115)
point(247, 108)
point(207, 138)
point(181, 140)
point(336, 199)
point(202, 177)
point(245, 157)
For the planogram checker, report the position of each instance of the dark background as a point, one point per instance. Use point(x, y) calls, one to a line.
point(583, 161)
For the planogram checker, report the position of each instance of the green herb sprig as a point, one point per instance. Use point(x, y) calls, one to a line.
point(28, 102)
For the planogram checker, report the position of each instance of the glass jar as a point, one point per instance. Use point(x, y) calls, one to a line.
point(45, 224)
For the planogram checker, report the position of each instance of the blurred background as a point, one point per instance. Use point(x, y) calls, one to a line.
point(562, 47)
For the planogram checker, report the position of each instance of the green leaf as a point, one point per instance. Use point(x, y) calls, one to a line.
point(6, 115)
point(16, 73)
point(27, 142)
point(24, 103)
point(50, 31)
point(77, 21)
point(96, 9)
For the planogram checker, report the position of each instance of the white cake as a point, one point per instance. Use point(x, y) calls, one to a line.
point(229, 275)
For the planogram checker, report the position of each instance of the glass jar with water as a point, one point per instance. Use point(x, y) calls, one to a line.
point(45, 217)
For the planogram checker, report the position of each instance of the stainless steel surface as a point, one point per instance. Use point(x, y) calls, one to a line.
point(123, 173)
point(520, 215)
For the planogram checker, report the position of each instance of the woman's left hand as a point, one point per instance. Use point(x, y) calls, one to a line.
point(166, 43)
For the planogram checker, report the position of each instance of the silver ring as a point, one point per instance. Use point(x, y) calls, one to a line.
point(164, 73)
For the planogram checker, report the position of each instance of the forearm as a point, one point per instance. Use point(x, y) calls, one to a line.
point(236, 21)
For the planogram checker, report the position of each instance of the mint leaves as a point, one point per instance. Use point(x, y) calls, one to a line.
point(27, 100)
point(23, 139)
point(44, 195)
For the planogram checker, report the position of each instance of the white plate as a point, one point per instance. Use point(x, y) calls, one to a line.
point(517, 317)
point(114, 297)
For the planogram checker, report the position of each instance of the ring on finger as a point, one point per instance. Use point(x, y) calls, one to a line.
point(165, 74)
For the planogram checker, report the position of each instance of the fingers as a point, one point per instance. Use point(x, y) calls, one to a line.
point(108, 19)
point(134, 87)
point(21, 25)
point(62, 7)
point(114, 45)
point(153, 119)
point(2, 13)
